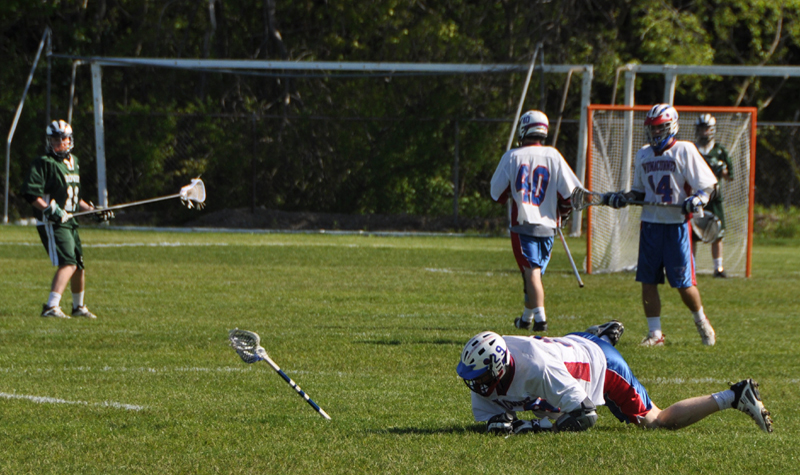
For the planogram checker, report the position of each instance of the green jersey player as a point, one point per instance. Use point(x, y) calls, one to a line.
point(52, 187)
point(719, 161)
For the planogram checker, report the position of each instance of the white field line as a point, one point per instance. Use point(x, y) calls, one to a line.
point(53, 400)
point(162, 371)
point(673, 381)
point(464, 272)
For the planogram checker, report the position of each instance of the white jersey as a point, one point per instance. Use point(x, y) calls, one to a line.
point(534, 176)
point(669, 178)
point(550, 374)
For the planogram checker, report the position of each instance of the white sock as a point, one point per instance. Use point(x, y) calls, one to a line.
point(654, 325)
point(718, 264)
point(77, 299)
point(699, 316)
point(54, 300)
point(724, 399)
point(538, 315)
point(527, 314)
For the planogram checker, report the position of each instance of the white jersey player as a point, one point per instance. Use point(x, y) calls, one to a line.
point(563, 380)
point(668, 171)
point(540, 182)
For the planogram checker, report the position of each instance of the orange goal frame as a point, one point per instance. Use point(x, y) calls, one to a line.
point(753, 111)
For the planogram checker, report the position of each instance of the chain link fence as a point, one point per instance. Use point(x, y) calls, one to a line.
point(323, 164)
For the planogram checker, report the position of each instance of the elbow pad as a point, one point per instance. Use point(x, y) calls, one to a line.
point(579, 419)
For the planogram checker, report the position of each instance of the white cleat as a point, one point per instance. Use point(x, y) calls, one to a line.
point(652, 340)
point(82, 311)
point(53, 312)
point(706, 332)
point(748, 400)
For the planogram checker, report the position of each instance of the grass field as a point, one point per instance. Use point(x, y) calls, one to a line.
point(371, 328)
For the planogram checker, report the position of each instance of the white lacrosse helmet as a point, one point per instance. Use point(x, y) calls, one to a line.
point(59, 129)
point(533, 124)
point(705, 128)
point(483, 362)
point(661, 126)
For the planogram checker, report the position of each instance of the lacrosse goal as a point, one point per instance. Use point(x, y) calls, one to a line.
point(615, 133)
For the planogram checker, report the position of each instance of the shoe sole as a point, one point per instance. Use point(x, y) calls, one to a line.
point(56, 316)
point(754, 407)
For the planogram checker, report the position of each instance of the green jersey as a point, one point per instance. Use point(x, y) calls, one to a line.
point(54, 179)
point(718, 160)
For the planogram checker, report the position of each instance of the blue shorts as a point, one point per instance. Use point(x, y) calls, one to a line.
point(530, 251)
point(624, 394)
point(666, 248)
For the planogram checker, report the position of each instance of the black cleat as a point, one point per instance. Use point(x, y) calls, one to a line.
point(613, 330)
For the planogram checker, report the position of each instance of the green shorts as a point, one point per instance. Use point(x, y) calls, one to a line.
point(62, 244)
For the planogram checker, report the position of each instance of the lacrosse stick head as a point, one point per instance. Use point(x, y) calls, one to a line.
point(582, 198)
point(707, 227)
point(193, 195)
point(247, 345)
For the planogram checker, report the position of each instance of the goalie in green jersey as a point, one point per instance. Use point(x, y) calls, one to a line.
point(719, 161)
point(52, 187)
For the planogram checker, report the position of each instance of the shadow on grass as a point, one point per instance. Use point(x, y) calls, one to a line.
point(476, 428)
point(438, 341)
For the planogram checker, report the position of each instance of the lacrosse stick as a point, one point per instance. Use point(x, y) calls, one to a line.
point(569, 255)
point(192, 195)
point(248, 347)
point(707, 227)
point(582, 199)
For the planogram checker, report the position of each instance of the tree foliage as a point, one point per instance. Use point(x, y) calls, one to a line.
point(370, 144)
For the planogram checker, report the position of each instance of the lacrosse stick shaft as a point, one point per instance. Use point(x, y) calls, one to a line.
point(571, 260)
point(127, 205)
point(263, 354)
point(665, 205)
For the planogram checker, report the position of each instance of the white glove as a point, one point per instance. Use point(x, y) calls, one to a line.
point(55, 214)
point(694, 203)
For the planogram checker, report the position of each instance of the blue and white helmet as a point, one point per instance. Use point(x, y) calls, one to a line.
point(661, 126)
point(533, 124)
point(58, 129)
point(483, 362)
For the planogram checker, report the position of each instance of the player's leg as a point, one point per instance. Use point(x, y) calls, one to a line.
point(533, 255)
point(716, 246)
point(650, 272)
point(59, 246)
point(743, 396)
point(681, 414)
point(679, 267)
point(78, 282)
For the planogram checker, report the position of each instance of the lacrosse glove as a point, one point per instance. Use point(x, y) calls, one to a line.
point(615, 200)
point(102, 216)
point(55, 214)
point(564, 207)
point(694, 203)
point(501, 424)
point(536, 425)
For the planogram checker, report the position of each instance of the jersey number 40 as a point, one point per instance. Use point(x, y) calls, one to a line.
point(532, 186)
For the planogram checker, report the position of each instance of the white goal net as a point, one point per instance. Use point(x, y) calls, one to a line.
point(615, 134)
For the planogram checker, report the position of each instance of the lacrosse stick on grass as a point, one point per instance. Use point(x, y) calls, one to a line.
point(248, 347)
point(192, 195)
